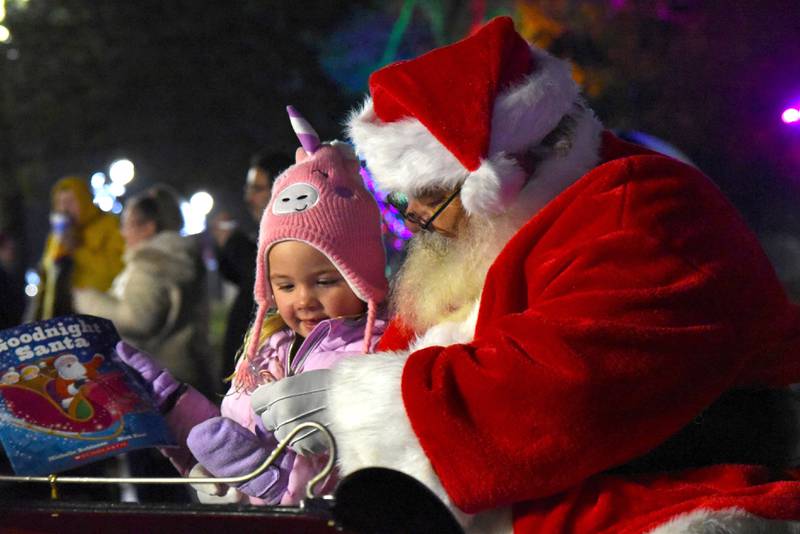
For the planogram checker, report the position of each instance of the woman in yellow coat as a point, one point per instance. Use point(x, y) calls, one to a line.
point(83, 250)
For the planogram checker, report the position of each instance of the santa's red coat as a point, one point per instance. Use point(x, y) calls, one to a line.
point(620, 311)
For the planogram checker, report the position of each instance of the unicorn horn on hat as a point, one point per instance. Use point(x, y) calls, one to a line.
point(308, 137)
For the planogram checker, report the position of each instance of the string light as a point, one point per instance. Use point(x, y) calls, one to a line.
point(394, 229)
point(791, 115)
point(121, 171)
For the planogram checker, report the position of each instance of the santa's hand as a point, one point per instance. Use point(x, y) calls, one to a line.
point(227, 449)
point(163, 387)
point(290, 401)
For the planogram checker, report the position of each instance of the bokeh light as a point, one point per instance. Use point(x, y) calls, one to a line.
point(121, 171)
point(32, 281)
point(98, 180)
point(202, 202)
point(105, 202)
point(195, 211)
point(116, 189)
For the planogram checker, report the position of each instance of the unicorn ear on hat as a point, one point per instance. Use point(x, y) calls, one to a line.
point(308, 137)
point(310, 142)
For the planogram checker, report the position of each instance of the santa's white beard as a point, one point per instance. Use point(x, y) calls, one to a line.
point(442, 277)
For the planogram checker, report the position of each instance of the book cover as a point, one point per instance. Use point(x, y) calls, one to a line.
point(66, 399)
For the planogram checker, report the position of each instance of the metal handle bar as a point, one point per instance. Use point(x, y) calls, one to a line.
point(53, 479)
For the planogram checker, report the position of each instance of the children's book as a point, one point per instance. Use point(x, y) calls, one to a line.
point(67, 399)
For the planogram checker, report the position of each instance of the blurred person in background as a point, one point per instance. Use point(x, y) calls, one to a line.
point(12, 252)
point(12, 303)
point(236, 248)
point(159, 300)
point(83, 250)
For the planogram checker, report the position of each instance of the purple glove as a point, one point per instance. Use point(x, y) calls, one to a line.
point(227, 449)
point(163, 387)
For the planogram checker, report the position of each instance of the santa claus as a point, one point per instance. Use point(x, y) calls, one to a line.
point(569, 302)
point(73, 375)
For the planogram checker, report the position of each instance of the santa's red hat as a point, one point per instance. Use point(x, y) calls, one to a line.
point(458, 114)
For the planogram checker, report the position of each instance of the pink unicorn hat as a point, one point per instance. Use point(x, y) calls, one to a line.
point(322, 201)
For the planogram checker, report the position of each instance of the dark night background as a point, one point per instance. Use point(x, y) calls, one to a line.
point(187, 90)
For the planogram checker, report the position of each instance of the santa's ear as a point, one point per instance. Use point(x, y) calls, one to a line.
point(300, 155)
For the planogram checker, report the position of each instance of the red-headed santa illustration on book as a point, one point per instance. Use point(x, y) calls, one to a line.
point(569, 302)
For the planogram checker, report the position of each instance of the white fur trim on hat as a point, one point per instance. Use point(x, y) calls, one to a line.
point(404, 156)
point(493, 186)
point(525, 113)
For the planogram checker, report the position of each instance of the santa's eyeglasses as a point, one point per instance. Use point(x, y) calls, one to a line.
point(400, 202)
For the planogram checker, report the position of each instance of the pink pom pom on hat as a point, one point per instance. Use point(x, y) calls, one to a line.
point(321, 200)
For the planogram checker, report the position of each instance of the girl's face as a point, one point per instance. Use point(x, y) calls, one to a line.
point(307, 287)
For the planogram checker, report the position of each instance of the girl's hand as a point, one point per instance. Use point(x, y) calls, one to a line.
point(227, 449)
point(163, 387)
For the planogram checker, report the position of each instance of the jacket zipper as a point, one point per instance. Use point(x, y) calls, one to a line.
point(307, 347)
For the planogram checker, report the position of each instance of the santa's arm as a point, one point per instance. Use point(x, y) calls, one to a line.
point(614, 342)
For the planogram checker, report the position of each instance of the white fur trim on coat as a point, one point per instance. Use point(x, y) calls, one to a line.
point(372, 429)
point(369, 419)
point(726, 521)
point(450, 332)
point(404, 156)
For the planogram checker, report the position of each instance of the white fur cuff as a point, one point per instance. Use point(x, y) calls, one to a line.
point(371, 427)
point(370, 424)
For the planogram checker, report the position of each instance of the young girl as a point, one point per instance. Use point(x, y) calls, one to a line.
point(321, 263)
